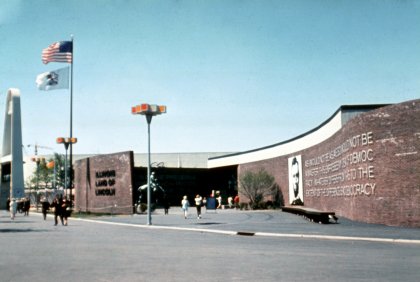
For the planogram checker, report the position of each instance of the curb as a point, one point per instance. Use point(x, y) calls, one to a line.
point(262, 234)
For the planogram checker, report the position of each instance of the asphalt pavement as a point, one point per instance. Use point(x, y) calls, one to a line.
point(273, 223)
point(224, 245)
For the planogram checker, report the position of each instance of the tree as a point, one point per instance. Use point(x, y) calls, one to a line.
point(256, 186)
point(59, 170)
point(45, 176)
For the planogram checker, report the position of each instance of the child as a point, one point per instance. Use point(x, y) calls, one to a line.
point(184, 205)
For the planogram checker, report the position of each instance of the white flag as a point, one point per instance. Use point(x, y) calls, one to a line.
point(58, 79)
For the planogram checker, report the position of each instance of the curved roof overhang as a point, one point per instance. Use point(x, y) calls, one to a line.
point(311, 138)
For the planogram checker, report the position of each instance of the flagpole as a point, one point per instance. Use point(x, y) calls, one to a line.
point(71, 123)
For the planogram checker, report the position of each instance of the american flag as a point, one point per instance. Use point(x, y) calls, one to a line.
point(61, 52)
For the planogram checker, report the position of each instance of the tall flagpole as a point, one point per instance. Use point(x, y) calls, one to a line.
point(71, 121)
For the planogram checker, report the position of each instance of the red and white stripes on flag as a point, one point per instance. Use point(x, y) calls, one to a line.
point(61, 52)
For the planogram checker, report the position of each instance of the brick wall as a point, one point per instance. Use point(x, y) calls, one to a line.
point(369, 171)
point(103, 184)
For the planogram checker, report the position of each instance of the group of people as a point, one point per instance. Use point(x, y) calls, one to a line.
point(61, 209)
point(60, 206)
point(199, 202)
point(18, 205)
point(232, 202)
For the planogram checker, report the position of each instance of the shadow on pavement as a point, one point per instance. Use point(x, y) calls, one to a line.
point(15, 230)
point(209, 223)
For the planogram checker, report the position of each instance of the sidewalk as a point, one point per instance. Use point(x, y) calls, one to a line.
point(273, 223)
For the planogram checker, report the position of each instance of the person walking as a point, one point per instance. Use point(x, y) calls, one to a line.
point(184, 205)
point(13, 208)
point(236, 201)
point(219, 201)
point(19, 204)
point(230, 202)
point(56, 204)
point(45, 207)
point(198, 203)
point(64, 211)
point(26, 206)
point(166, 204)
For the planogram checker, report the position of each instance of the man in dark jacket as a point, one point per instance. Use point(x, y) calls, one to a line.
point(57, 205)
point(45, 207)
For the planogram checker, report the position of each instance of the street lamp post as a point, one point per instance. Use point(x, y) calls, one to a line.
point(67, 141)
point(52, 165)
point(149, 111)
point(38, 160)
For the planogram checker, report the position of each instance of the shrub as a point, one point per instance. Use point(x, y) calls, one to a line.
point(256, 187)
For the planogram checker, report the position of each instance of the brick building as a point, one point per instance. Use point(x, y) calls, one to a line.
point(363, 163)
point(109, 183)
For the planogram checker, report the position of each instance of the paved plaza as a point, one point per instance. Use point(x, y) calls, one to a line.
point(225, 245)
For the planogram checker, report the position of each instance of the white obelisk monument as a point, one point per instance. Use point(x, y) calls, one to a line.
point(12, 183)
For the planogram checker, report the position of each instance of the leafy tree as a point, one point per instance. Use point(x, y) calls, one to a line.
point(44, 176)
point(256, 186)
point(59, 170)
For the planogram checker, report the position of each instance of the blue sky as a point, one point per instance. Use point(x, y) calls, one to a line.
point(234, 75)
